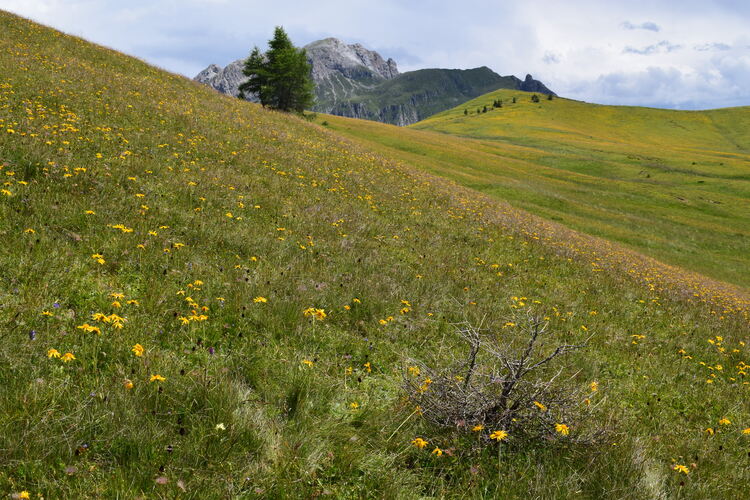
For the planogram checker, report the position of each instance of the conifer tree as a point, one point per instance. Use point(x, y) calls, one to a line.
point(280, 77)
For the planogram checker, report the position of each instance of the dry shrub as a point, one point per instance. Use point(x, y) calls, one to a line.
point(502, 385)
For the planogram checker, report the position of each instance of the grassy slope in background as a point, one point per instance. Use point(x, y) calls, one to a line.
point(672, 184)
point(138, 207)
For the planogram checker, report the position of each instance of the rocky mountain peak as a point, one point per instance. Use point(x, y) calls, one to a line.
point(331, 55)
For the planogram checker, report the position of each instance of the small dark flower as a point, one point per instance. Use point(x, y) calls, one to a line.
point(32, 335)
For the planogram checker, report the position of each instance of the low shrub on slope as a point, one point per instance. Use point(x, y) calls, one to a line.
point(203, 299)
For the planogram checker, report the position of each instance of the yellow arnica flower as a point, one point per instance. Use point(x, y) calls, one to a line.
point(157, 378)
point(24, 495)
point(307, 362)
point(53, 353)
point(499, 435)
point(259, 300)
point(437, 451)
point(562, 429)
point(724, 421)
point(419, 442)
point(477, 428)
point(746, 431)
point(128, 384)
point(318, 314)
point(353, 405)
point(414, 370)
point(540, 406)
point(680, 468)
point(594, 386)
point(68, 357)
point(138, 350)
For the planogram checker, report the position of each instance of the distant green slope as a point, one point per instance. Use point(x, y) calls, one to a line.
point(673, 184)
point(415, 95)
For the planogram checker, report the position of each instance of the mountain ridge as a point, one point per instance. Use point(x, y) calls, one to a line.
point(353, 81)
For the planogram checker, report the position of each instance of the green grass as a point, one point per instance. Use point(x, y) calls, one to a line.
point(134, 192)
point(674, 185)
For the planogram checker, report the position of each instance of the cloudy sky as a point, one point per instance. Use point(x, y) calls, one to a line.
point(687, 54)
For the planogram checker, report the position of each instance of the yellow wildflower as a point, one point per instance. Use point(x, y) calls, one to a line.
point(540, 406)
point(477, 428)
point(53, 353)
point(68, 357)
point(259, 300)
point(499, 435)
point(157, 378)
point(138, 350)
point(318, 314)
point(562, 429)
point(680, 468)
point(419, 442)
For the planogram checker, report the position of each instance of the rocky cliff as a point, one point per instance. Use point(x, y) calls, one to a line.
point(351, 80)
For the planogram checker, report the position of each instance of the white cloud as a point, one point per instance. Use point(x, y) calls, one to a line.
point(648, 25)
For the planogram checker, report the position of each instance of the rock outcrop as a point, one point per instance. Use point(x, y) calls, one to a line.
point(352, 81)
point(226, 80)
point(531, 85)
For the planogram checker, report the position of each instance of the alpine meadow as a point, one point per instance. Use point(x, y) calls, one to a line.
point(204, 298)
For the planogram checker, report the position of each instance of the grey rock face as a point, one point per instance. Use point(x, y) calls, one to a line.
point(531, 85)
point(331, 55)
point(226, 80)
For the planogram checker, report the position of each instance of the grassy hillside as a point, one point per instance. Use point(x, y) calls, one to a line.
point(672, 184)
point(200, 298)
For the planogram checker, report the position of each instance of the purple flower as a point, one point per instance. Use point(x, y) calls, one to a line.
point(56, 305)
point(32, 335)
